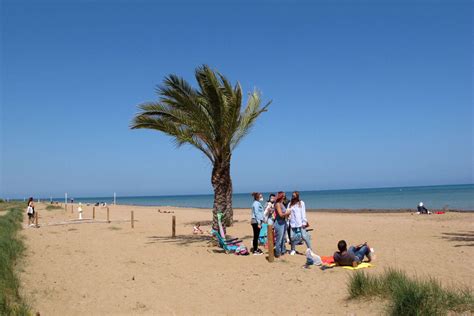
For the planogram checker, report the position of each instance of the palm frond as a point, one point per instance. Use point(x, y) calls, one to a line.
point(208, 118)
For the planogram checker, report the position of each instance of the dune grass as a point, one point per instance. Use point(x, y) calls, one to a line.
point(11, 249)
point(53, 207)
point(410, 296)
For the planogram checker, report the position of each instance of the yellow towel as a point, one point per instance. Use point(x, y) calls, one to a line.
point(360, 266)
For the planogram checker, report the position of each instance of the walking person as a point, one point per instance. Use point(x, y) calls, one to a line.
point(31, 212)
point(256, 221)
point(281, 216)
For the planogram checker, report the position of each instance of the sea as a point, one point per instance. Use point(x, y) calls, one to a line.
point(459, 197)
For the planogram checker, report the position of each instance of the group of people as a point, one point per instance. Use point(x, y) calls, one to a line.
point(289, 219)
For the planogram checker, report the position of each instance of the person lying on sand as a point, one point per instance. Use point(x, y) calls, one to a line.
point(165, 212)
point(197, 229)
point(353, 256)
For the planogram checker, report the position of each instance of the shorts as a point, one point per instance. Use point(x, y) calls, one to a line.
point(31, 215)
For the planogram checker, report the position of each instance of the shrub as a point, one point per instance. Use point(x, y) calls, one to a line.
point(11, 249)
point(410, 296)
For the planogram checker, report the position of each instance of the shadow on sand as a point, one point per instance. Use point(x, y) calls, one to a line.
point(180, 240)
point(463, 239)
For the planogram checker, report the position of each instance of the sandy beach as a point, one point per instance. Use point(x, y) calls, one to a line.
point(105, 268)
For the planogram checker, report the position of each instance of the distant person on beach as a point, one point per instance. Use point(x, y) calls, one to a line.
point(298, 223)
point(353, 256)
point(197, 229)
point(422, 209)
point(269, 213)
point(281, 216)
point(257, 220)
point(31, 211)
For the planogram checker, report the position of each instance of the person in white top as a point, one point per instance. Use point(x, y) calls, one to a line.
point(269, 213)
point(298, 223)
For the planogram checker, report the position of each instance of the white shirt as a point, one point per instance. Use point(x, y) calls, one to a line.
point(298, 215)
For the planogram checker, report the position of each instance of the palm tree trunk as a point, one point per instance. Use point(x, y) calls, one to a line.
point(222, 184)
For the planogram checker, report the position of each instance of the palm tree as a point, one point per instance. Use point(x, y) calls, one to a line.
point(209, 118)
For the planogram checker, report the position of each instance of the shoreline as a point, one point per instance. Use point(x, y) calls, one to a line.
point(312, 210)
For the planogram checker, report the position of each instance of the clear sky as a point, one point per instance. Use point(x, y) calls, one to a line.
point(372, 94)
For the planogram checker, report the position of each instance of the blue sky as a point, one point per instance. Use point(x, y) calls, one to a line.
point(372, 94)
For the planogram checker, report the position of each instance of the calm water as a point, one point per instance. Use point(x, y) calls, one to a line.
point(453, 196)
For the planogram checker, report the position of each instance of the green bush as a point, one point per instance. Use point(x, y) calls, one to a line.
point(410, 296)
point(53, 207)
point(11, 249)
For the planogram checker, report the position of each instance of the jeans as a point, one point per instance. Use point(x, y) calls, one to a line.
point(298, 234)
point(280, 232)
point(256, 233)
point(359, 253)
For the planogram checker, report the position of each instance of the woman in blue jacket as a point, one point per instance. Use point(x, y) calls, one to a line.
point(257, 220)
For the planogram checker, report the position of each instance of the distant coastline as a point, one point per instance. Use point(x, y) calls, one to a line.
point(401, 199)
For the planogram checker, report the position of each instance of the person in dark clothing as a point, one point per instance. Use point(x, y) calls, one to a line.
point(422, 209)
point(353, 256)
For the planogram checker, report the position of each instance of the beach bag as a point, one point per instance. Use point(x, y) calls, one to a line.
point(29, 210)
point(242, 250)
point(296, 235)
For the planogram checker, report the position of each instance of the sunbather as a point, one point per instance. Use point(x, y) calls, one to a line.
point(422, 209)
point(353, 256)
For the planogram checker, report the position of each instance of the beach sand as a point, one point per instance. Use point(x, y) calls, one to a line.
point(111, 269)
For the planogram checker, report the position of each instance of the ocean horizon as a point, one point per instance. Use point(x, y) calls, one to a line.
point(459, 197)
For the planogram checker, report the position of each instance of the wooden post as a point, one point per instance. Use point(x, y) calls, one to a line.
point(131, 215)
point(93, 212)
point(271, 254)
point(36, 219)
point(108, 217)
point(72, 208)
point(173, 227)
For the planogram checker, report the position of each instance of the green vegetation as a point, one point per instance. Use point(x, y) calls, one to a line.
point(53, 207)
point(11, 250)
point(410, 296)
point(210, 118)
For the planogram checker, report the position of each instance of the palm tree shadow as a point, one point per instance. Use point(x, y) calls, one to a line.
point(464, 239)
point(181, 240)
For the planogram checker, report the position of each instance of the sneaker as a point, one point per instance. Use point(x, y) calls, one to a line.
point(292, 253)
point(256, 253)
point(371, 255)
point(259, 251)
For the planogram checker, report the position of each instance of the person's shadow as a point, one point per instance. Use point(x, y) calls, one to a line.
point(463, 239)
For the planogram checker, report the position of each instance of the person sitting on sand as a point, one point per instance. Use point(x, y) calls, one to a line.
point(197, 229)
point(353, 256)
point(256, 221)
point(422, 209)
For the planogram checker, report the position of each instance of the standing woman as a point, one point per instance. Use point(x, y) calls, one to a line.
point(269, 213)
point(257, 220)
point(298, 223)
point(31, 211)
point(281, 216)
